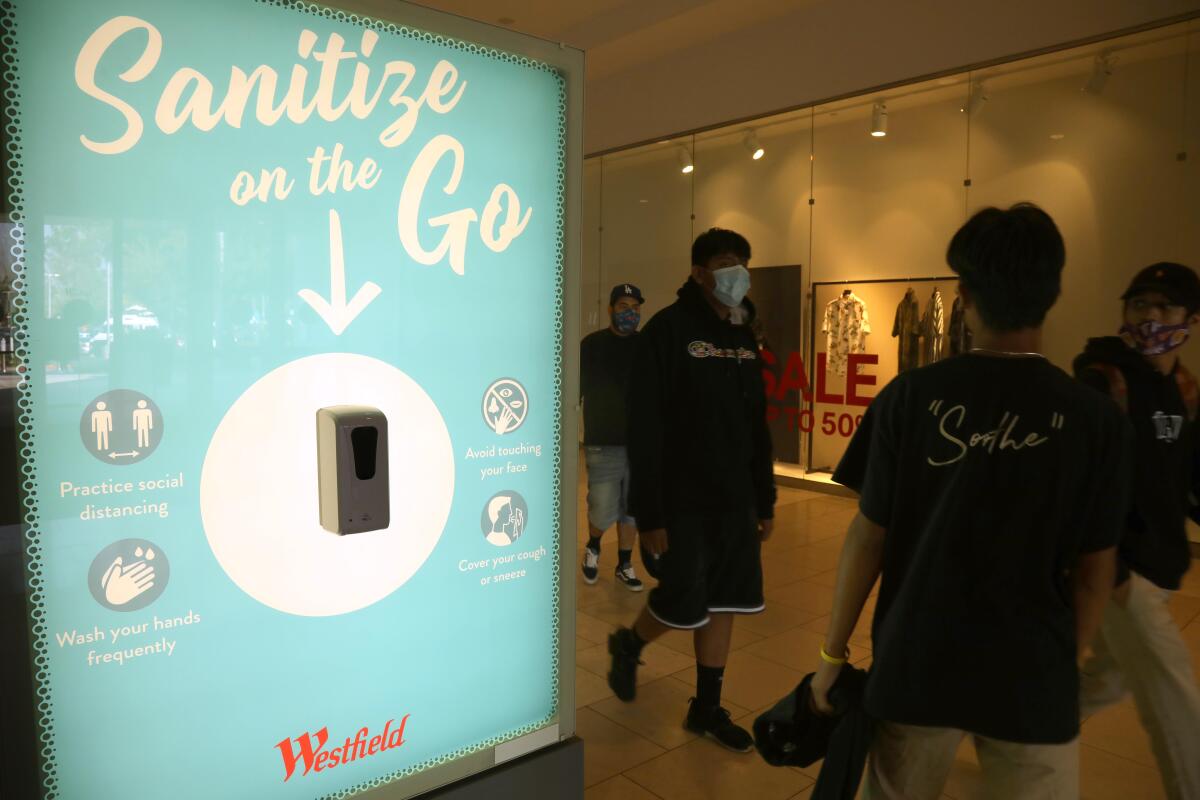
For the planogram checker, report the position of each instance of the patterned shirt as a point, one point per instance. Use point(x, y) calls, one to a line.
point(933, 327)
point(846, 327)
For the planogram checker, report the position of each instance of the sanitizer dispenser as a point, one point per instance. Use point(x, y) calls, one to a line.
point(352, 469)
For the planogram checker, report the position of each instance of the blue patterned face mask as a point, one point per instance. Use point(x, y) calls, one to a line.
point(627, 320)
point(731, 284)
point(1152, 338)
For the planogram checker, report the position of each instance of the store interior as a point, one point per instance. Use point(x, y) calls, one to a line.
point(858, 199)
point(868, 190)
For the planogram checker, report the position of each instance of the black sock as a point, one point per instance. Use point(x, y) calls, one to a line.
point(623, 558)
point(636, 642)
point(708, 685)
point(593, 544)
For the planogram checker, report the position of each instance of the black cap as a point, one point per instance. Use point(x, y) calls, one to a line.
point(1178, 283)
point(624, 290)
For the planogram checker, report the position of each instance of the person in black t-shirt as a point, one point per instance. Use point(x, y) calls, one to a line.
point(702, 485)
point(605, 364)
point(992, 486)
point(1140, 648)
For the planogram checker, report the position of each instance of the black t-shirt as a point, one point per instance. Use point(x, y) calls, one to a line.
point(605, 364)
point(991, 476)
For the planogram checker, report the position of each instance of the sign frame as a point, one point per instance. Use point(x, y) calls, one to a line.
point(569, 64)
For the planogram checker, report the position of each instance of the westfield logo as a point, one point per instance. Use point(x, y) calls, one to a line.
point(309, 748)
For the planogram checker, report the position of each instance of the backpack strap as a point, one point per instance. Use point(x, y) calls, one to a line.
point(1189, 390)
point(1118, 389)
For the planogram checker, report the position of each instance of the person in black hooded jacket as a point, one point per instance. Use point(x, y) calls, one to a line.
point(702, 484)
point(1139, 648)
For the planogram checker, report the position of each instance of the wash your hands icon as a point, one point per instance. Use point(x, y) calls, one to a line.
point(129, 575)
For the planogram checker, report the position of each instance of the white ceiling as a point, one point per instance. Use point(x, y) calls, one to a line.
point(659, 67)
point(620, 34)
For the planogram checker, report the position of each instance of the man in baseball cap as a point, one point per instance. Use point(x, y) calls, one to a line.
point(625, 290)
point(1140, 649)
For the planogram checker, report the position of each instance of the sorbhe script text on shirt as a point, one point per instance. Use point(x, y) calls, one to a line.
point(1003, 437)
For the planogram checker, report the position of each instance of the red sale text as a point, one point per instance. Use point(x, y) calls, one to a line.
point(788, 386)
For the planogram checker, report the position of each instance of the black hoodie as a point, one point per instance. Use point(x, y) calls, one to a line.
point(1155, 543)
point(698, 438)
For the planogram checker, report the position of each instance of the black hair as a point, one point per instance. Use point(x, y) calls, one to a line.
point(717, 242)
point(1011, 262)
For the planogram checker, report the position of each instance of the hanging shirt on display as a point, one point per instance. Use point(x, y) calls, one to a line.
point(933, 326)
point(959, 334)
point(907, 329)
point(846, 328)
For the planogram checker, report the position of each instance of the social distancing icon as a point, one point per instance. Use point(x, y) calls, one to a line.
point(121, 427)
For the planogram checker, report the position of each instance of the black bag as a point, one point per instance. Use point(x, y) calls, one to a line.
point(791, 734)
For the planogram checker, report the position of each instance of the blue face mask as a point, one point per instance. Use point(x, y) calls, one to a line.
point(627, 321)
point(732, 283)
point(1153, 338)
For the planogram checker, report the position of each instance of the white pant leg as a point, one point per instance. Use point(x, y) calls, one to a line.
point(1101, 683)
point(1028, 771)
point(910, 762)
point(1144, 640)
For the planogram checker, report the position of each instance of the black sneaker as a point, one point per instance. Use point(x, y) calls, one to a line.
point(716, 724)
point(622, 678)
point(591, 565)
point(628, 578)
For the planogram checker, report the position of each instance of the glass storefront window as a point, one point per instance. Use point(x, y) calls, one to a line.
point(1105, 137)
point(646, 223)
point(766, 199)
point(1092, 136)
point(888, 184)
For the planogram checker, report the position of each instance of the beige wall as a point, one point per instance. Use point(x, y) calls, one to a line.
point(829, 49)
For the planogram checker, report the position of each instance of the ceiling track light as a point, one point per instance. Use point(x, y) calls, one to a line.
point(879, 119)
point(1102, 70)
point(975, 99)
point(752, 145)
point(685, 160)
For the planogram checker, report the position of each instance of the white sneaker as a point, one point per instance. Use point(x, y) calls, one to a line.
point(627, 576)
point(591, 565)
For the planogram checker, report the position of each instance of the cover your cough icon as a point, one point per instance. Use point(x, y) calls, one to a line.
point(504, 518)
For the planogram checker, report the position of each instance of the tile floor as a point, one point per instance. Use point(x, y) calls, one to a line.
point(640, 750)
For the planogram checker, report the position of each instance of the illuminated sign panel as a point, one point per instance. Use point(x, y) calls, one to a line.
point(292, 317)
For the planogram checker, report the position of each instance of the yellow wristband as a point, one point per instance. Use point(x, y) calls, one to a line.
point(837, 662)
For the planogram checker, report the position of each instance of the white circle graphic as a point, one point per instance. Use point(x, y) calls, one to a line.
point(258, 489)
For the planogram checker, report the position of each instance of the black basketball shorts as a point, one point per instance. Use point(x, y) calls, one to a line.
point(713, 565)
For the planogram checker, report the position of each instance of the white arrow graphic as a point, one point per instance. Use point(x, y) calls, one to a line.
point(115, 456)
point(336, 312)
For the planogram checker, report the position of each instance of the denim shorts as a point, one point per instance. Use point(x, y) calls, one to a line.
point(608, 486)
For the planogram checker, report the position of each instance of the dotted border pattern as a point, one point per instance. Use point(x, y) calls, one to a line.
point(559, 280)
point(33, 533)
point(27, 442)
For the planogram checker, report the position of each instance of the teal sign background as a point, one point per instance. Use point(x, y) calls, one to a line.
point(141, 273)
